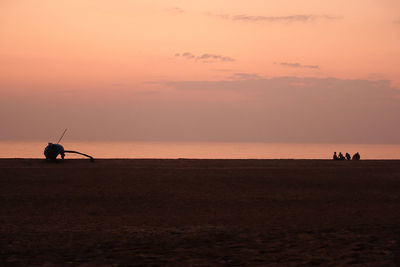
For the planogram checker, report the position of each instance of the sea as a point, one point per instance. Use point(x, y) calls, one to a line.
point(202, 150)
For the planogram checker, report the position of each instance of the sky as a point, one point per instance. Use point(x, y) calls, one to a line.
point(224, 70)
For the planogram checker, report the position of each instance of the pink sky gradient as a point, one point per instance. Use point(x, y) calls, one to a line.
point(227, 70)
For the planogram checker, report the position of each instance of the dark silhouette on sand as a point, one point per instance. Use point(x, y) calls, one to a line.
point(53, 150)
point(356, 156)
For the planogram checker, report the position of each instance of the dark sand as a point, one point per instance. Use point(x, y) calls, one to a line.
point(199, 212)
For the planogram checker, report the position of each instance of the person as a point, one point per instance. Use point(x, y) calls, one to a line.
point(341, 157)
point(356, 156)
point(348, 157)
point(335, 157)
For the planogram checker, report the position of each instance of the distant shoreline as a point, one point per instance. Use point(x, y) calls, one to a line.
point(199, 159)
point(202, 150)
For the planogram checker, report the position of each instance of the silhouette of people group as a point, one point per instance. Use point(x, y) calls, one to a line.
point(356, 156)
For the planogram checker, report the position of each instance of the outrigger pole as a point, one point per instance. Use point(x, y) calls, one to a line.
point(76, 152)
point(62, 135)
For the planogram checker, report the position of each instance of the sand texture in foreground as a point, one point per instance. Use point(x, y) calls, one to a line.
point(199, 212)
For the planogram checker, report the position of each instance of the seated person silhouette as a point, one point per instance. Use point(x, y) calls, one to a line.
point(335, 157)
point(356, 156)
point(348, 157)
point(341, 157)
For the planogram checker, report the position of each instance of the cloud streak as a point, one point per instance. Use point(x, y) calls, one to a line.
point(204, 58)
point(298, 65)
point(176, 10)
point(245, 76)
point(277, 19)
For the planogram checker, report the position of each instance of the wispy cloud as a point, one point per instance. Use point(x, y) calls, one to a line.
point(396, 22)
point(215, 57)
point(205, 58)
point(186, 55)
point(223, 70)
point(279, 19)
point(177, 10)
point(245, 76)
point(297, 65)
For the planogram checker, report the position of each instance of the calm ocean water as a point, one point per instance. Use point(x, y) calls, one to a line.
point(202, 150)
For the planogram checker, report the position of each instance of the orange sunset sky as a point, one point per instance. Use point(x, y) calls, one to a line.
point(222, 70)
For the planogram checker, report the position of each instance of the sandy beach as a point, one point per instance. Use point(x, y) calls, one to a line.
point(199, 212)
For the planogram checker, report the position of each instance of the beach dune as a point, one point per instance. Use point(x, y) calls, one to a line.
point(199, 212)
